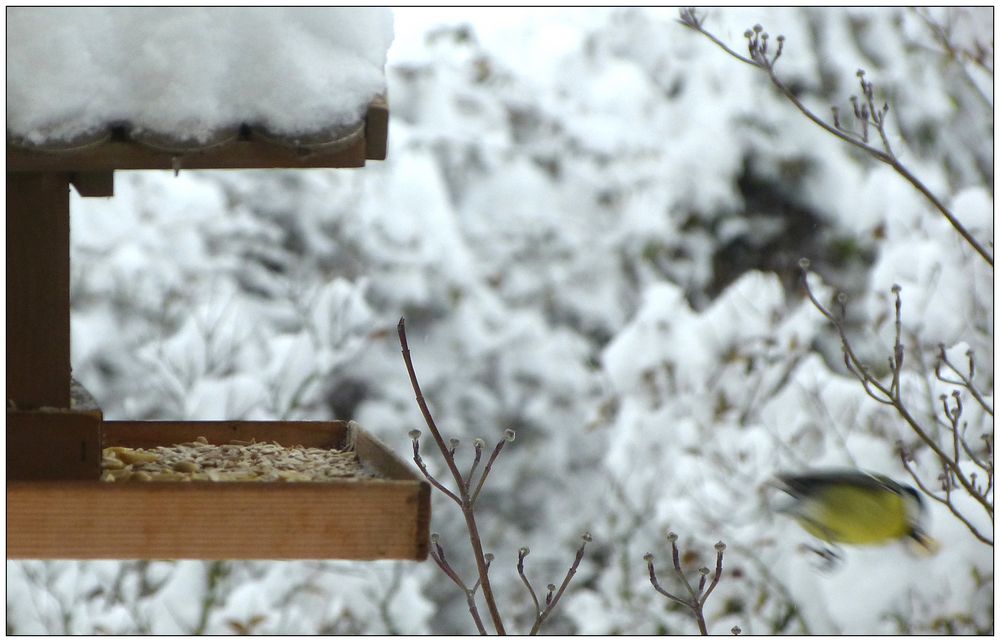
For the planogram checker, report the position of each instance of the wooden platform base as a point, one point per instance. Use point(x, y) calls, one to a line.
point(360, 519)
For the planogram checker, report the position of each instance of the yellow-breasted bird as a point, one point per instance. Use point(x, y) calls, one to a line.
point(855, 507)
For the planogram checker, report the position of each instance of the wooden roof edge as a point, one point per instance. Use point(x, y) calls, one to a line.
point(243, 147)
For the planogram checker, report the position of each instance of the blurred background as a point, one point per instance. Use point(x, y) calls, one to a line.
point(592, 221)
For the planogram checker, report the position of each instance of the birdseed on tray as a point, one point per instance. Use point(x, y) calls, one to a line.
point(238, 460)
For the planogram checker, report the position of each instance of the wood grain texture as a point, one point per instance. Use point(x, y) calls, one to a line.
point(38, 368)
point(373, 519)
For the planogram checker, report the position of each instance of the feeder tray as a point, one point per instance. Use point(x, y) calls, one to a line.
point(57, 506)
point(385, 516)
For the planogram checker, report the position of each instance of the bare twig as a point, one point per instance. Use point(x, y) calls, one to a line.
point(892, 395)
point(437, 554)
point(981, 56)
point(419, 461)
point(946, 500)
point(478, 445)
point(964, 380)
point(696, 599)
point(465, 501)
point(866, 114)
point(466, 497)
point(550, 599)
point(521, 554)
point(508, 436)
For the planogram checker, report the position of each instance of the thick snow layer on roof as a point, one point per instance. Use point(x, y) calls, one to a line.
point(189, 72)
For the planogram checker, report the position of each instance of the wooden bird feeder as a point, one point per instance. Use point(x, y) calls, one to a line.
point(57, 507)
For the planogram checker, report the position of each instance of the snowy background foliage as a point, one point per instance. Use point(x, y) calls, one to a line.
point(591, 220)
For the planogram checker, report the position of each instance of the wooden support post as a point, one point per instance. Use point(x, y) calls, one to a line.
point(94, 183)
point(54, 444)
point(377, 129)
point(38, 360)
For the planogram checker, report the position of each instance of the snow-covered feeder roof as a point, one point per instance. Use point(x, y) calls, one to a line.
point(192, 77)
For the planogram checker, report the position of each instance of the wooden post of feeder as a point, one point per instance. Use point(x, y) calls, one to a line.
point(38, 369)
point(47, 438)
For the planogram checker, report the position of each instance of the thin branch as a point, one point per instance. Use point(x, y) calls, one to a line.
point(854, 364)
point(676, 558)
point(758, 58)
point(489, 560)
point(470, 599)
point(943, 500)
point(437, 553)
point(980, 57)
point(508, 436)
point(521, 554)
point(466, 504)
point(985, 465)
point(656, 584)
point(419, 461)
point(552, 600)
point(696, 600)
point(963, 380)
point(478, 446)
point(719, 547)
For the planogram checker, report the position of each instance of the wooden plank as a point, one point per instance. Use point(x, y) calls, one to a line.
point(93, 183)
point(371, 449)
point(372, 452)
point(204, 520)
point(237, 154)
point(377, 129)
point(38, 368)
point(59, 444)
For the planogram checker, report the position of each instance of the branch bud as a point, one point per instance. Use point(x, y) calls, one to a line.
point(509, 434)
point(671, 536)
point(414, 434)
point(720, 546)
